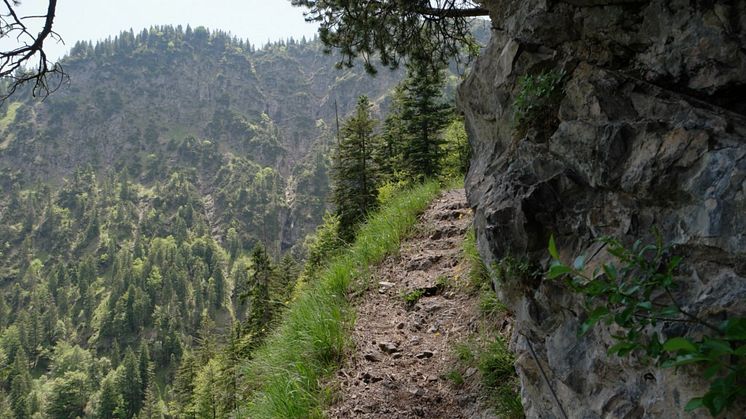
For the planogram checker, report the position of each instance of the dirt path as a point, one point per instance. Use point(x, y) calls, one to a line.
point(404, 350)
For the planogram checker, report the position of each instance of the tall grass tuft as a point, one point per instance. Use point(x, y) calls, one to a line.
point(283, 379)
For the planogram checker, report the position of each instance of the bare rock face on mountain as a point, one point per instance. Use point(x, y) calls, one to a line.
point(649, 132)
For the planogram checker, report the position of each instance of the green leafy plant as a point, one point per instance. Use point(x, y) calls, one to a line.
point(537, 97)
point(411, 298)
point(637, 294)
point(511, 268)
point(491, 357)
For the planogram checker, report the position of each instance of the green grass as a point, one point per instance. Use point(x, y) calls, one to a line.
point(411, 298)
point(490, 355)
point(285, 375)
point(478, 275)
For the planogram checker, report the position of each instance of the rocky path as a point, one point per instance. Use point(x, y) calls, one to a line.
point(407, 324)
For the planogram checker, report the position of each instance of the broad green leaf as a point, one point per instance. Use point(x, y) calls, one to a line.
point(610, 271)
point(734, 329)
point(645, 305)
point(621, 348)
point(694, 404)
point(679, 344)
point(684, 360)
point(741, 351)
point(558, 270)
point(675, 261)
point(717, 347)
point(593, 318)
point(553, 248)
point(712, 370)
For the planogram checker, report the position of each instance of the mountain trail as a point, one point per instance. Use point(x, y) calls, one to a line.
point(408, 322)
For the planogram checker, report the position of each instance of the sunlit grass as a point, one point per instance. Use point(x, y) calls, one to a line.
point(285, 375)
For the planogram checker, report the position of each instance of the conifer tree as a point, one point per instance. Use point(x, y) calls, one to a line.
point(263, 275)
point(151, 408)
point(205, 399)
point(181, 405)
point(130, 384)
point(110, 403)
point(354, 193)
point(5, 405)
point(387, 153)
point(425, 115)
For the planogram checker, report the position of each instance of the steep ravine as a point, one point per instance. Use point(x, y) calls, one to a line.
point(649, 132)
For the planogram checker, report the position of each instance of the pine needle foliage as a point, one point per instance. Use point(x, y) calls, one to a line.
point(425, 114)
point(354, 193)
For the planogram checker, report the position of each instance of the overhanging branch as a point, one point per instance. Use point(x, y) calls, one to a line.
point(454, 12)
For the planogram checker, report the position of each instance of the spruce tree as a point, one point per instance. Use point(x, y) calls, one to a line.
point(425, 114)
point(151, 408)
point(262, 276)
point(354, 192)
point(130, 384)
point(387, 153)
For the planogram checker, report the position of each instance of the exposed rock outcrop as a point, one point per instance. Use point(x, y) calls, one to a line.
point(650, 132)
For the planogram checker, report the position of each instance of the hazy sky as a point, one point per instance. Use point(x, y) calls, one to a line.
point(256, 20)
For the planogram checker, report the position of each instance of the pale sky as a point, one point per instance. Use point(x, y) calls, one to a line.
point(255, 20)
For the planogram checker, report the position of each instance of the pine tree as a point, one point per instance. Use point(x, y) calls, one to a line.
point(130, 384)
point(205, 395)
point(387, 153)
point(354, 193)
point(110, 403)
point(183, 389)
point(425, 115)
point(262, 276)
point(5, 405)
point(20, 386)
point(151, 408)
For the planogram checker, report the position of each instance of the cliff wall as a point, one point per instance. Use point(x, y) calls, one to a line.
point(649, 131)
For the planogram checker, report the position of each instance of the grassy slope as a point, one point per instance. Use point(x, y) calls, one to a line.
point(285, 374)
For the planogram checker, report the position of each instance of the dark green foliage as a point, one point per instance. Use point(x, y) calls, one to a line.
point(261, 307)
point(424, 114)
point(393, 30)
point(537, 100)
point(69, 395)
point(456, 150)
point(354, 193)
point(411, 298)
point(638, 294)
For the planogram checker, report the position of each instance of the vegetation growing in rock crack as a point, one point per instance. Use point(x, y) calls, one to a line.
point(639, 294)
point(537, 100)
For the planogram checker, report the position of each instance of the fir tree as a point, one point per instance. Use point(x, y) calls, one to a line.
point(263, 275)
point(387, 153)
point(425, 115)
point(151, 408)
point(130, 384)
point(354, 192)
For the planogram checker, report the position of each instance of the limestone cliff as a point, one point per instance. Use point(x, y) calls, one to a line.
point(650, 132)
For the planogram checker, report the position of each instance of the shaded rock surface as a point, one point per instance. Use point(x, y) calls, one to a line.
point(650, 132)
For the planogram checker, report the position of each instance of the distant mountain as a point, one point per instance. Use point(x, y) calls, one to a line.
point(168, 99)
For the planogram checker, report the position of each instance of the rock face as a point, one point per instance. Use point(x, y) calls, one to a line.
point(650, 132)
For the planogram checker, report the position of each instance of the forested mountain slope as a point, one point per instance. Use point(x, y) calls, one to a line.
point(132, 199)
point(146, 104)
